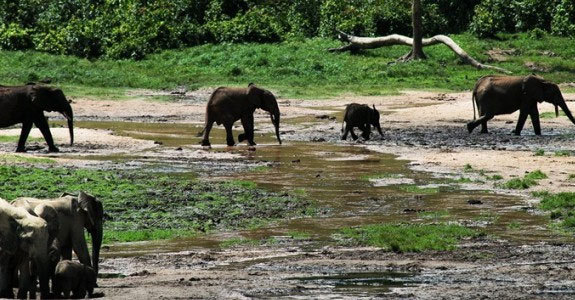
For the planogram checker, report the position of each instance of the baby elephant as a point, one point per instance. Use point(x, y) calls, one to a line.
point(72, 276)
point(362, 117)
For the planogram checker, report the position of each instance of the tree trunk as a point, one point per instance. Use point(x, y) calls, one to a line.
point(417, 47)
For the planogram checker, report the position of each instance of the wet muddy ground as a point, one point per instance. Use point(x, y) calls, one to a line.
point(412, 174)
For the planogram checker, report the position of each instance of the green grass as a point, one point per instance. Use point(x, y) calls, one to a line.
point(408, 237)
point(302, 69)
point(467, 168)
point(551, 115)
point(21, 159)
point(410, 188)
point(526, 182)
point(539, 152)
point(494, 177)
point(145, 206)
point(14, 139)
point(433, 215)
point(571, 177)
point(514, 225)
point(562, 153)
point(381, 176)
point(561, 208)
point(299, 235)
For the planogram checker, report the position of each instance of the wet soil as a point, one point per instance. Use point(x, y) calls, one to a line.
point(425, 144)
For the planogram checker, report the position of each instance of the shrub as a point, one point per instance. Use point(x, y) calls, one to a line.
point(493, 16)
point(14, 37)
point(531, 14)
point(563, 22)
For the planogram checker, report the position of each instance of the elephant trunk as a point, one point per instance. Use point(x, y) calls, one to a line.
point(378, 126)
point(556, 111)
point(69, 115)
point(97, 234)
point(42, 266)
point(276, 121)
point(565, 109)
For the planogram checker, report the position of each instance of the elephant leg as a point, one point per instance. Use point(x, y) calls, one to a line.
point(353, 135)
point(534, 114)
point(365, 131)
point(345, 132)
point(483, 119)
point(248, 124)
point(24, 279)
point(206, 139)
point(229, 134)
point(484, 127)
point(66, 252)
point(42, 124)
point(6, 282)
point(26, 126)
point(522, 118)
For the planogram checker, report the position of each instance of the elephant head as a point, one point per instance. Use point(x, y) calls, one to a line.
point(53, 99)
point(265, 100)
point(50, 215)
point(374, 120)
point(93, 212)
point(542, 90)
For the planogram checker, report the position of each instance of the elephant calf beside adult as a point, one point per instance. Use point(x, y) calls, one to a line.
point(497, 95)
point(26, 104)
point(74, 214)
point(227, 105)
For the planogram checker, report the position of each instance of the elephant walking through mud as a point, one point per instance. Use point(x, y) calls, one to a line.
point(497, 95)
point(227, 105)
point(361, 116)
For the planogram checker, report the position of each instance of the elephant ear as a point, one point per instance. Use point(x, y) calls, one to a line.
point(533, 88)
point(255, 95)
point(93, 209)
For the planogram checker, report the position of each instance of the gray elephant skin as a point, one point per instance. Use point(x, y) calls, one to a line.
point(23, 243)
point(26, 105)
point(75, 213)
point(74, 277)
point(361, 116)
point(497, 95)
point(227, 105)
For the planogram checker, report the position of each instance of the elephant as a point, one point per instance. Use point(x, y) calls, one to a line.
point(361, 116)
point(71, 276)
point(74, 214)
point(26, 104)
point(24, 246)
point(227, 105)
point(497, 95)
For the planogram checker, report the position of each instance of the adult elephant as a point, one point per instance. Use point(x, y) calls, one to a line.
point(227, 105)
point(26, 104)
point(23, 240)
point(74, 214)
point(497, 95)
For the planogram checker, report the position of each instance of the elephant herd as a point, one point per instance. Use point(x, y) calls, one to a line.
point(37, 237)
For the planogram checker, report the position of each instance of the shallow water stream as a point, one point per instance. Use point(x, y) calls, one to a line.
point(337, 177)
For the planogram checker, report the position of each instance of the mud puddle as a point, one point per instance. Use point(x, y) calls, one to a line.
point(353, 284)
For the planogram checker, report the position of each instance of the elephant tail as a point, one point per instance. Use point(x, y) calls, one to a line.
point(473, 102)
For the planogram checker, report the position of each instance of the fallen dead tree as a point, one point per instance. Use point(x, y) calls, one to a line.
point(357, 43)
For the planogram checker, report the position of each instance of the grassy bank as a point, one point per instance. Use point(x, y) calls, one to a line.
point(408, 237)
point(144, 206)
point(293, 69)
point(561, 209)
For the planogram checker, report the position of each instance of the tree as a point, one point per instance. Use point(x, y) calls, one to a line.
point(417, 42)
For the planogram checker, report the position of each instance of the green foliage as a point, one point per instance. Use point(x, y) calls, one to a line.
point(491, 17)
point(526, 182)
point(142, 205)
point(13, 37)
point(562, 153)
point(408, 237)
point(297, 68)
point(561, 207)
point(410, 188)
point(539, 152)
point(564, 19)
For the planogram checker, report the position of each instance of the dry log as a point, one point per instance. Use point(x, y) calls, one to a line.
point(356, 43)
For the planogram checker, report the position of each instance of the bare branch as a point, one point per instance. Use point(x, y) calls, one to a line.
point(356, 43)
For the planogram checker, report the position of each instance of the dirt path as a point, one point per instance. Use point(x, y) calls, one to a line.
point(424, 127)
